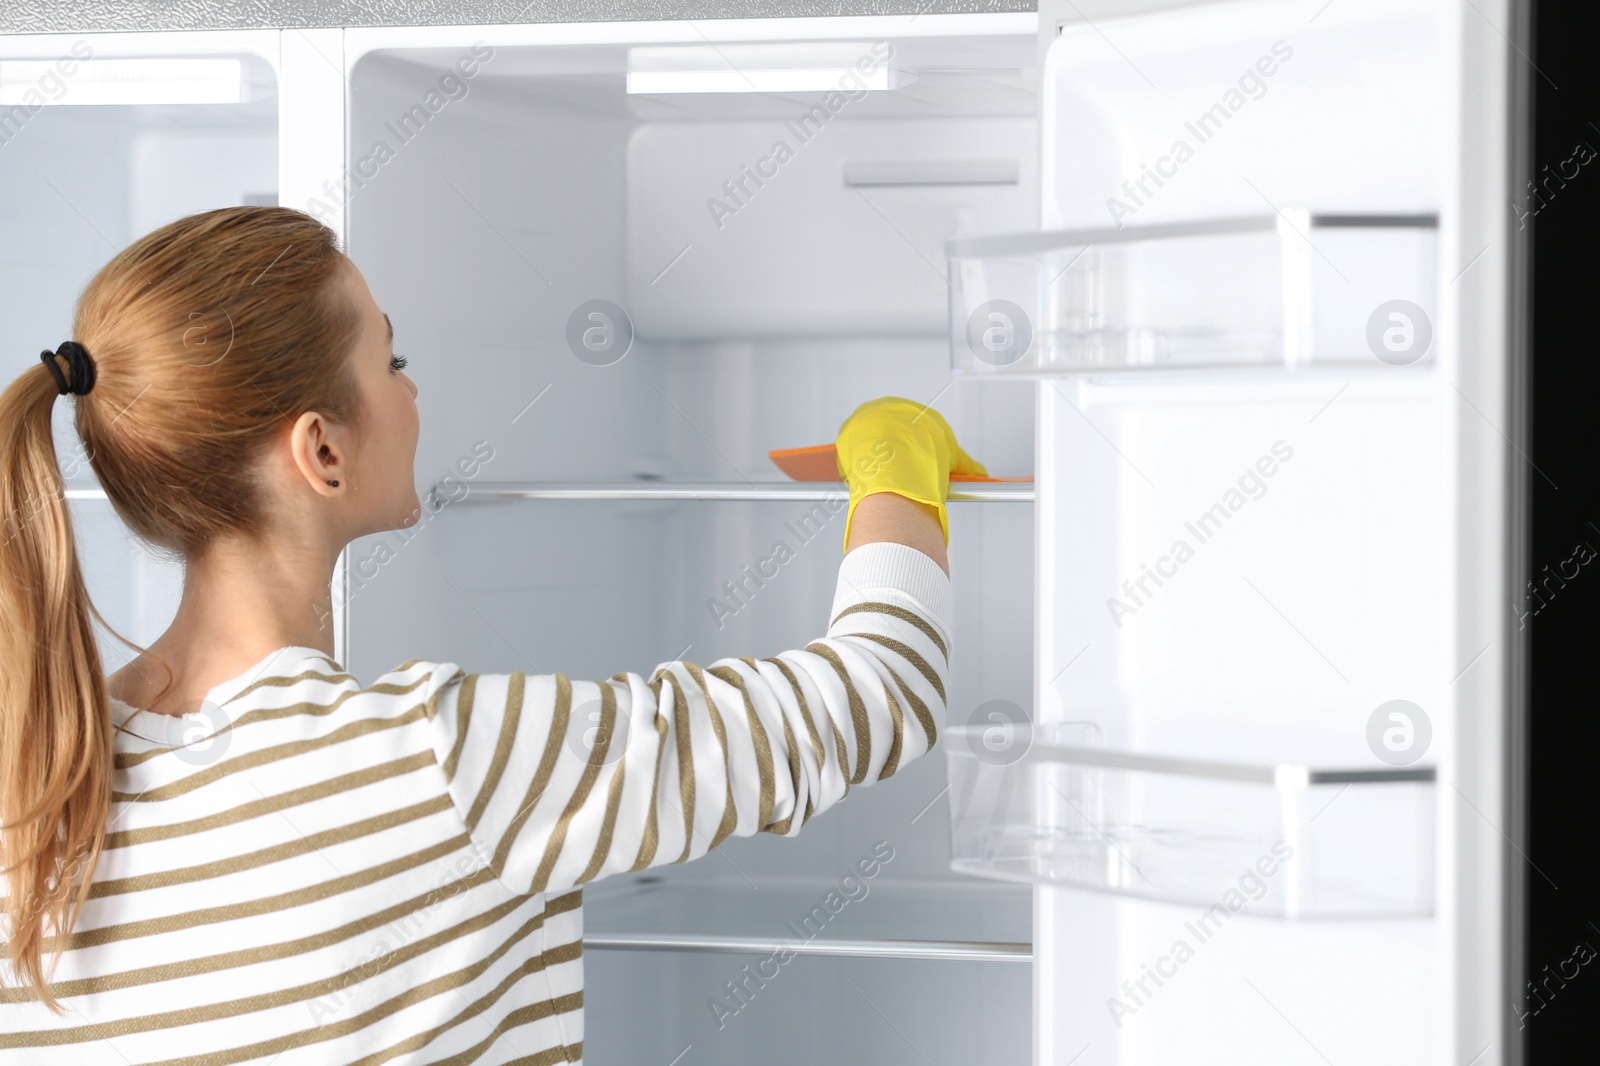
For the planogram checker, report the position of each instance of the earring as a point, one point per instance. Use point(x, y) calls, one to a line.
point(335, 484)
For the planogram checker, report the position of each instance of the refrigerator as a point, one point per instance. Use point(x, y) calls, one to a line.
point(1231, 762)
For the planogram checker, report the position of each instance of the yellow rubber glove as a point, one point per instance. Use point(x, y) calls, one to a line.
point(892, 444)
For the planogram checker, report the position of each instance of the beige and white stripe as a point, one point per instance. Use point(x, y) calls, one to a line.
point(392, 872)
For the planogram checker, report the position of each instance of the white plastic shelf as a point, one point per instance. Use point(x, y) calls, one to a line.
point(1287, 840)
point(1283, 289)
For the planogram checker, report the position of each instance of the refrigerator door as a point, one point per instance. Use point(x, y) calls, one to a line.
point(1287, 565)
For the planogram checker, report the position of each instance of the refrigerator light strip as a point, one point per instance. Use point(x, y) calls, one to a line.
point(841, 67)
point(122, 81)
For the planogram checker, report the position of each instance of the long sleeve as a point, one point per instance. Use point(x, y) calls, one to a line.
point(561, 782)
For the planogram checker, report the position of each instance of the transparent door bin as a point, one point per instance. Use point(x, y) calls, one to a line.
point(1286, 840)
point(1287, 289)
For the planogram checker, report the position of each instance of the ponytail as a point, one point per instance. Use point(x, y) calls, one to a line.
point(55, 729)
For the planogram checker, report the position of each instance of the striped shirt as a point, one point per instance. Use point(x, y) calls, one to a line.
point(317, 871)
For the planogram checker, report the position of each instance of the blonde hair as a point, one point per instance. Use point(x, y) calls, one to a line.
point(208, 336)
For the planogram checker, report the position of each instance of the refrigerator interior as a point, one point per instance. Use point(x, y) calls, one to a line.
point(486, 230)
point(78, 182)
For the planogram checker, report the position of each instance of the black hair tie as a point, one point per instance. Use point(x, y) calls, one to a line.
point(78, 362)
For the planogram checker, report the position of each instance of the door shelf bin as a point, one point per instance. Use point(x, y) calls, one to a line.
point(1286, 289)
point(1285, 840)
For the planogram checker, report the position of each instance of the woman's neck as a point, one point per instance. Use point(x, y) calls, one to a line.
point(240, 603)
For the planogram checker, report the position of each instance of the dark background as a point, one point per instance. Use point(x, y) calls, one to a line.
point(1563, 880)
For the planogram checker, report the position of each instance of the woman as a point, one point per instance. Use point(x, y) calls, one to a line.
point(231, 850)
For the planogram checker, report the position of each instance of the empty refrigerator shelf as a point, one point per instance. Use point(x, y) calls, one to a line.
point(921, 920)
point(1280, 839)
point(482, 492)
point(485, 492)
point(1288, 289)
point(948, 950)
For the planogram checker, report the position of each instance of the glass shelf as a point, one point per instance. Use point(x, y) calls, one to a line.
point(500, 491)
point(1288, 840)
point(903, 920)
point(1286, 289)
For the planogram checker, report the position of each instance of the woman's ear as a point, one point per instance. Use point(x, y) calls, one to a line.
point(318, 455)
